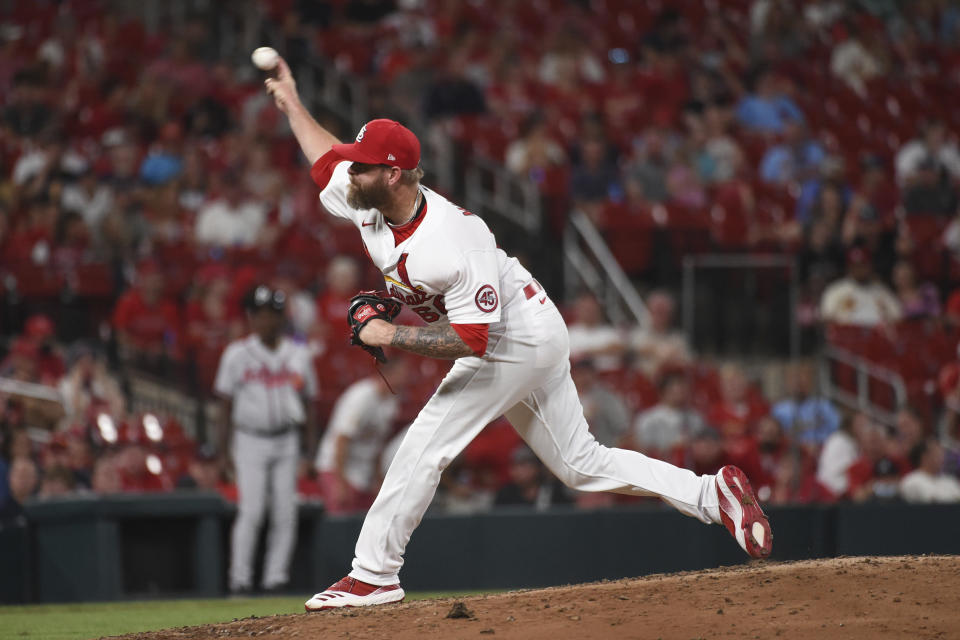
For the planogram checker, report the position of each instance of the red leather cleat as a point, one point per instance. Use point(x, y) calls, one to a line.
point(350, 592)
point(741, 513)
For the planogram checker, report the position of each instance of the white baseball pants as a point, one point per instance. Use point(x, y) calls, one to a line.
point(526, 377)
point(266, 477)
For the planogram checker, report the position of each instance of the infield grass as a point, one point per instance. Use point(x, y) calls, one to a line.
point(95, 620)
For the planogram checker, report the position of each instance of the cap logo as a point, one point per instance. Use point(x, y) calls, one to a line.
point(391, 157)
point(363, 130)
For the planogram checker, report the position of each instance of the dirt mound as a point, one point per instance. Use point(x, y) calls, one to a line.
point(900, 597)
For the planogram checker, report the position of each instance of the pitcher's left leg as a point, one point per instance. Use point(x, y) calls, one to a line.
point(551, 421)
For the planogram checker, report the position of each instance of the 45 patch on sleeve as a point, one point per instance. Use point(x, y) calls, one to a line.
point(486, 299)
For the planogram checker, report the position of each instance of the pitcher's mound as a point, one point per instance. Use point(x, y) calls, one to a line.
point(900, 597)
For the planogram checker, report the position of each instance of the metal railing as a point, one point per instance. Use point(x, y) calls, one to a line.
point(156, 395)
point(589, 263)
point(491, 188)
point(866, 372)
point(32, 390)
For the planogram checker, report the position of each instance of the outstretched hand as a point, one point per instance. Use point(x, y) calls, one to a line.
point(283, 87)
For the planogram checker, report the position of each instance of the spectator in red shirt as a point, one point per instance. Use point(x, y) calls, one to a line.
point(738, 410)
point(492, 449)
point(789, 470)
point(182, 70)
point(951, 312)
point(621, 103)
point(211, 320)
point(792, 484)
point(139, 469)
point(147, 324)
point(773, 447)
point(342, 281)
point(31, 240)
point(203, 474)
point(511, 96)
point(37, 343)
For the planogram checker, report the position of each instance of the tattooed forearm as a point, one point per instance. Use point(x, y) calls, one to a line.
point(435, 342)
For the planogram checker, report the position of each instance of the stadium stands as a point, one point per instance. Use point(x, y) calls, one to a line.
point(115, 139)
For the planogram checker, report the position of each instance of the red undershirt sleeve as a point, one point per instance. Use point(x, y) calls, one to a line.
point(323, 168)
point(474, 335)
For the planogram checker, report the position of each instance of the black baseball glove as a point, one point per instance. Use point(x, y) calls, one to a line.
point(364, 307)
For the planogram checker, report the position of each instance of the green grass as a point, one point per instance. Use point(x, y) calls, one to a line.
point(93, 620)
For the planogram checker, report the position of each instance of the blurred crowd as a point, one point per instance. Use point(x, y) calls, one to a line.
point(641, 390)
point(148, 182)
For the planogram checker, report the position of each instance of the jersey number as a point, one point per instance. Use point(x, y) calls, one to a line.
point(431, 314)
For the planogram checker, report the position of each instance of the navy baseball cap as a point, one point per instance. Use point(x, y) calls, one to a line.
point(263, 296)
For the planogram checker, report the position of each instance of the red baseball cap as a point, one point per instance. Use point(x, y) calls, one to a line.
point(858, 255)
point(39, 327)
point(383, 141)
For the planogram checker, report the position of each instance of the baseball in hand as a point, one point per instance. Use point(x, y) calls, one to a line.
point(265, 58)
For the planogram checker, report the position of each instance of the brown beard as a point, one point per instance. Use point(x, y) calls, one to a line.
point(375, 196)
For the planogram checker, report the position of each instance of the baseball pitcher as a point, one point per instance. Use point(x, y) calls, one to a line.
point(484, 310)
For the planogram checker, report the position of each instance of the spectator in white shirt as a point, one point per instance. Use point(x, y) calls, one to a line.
point(855, 64)
point(232, 220)
point(669, 424)
point(932, 145)
point(928, 482)
point(859, 298)
point(839, 453)
point(90, 197)
point(592, 337)
point(349, 456)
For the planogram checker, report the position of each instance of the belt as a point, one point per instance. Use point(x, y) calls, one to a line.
point(532, 289)
point(282, 431)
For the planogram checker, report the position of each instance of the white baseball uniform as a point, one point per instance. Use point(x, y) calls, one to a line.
point(448, 268)
point(366, 417)
point(267, 388)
